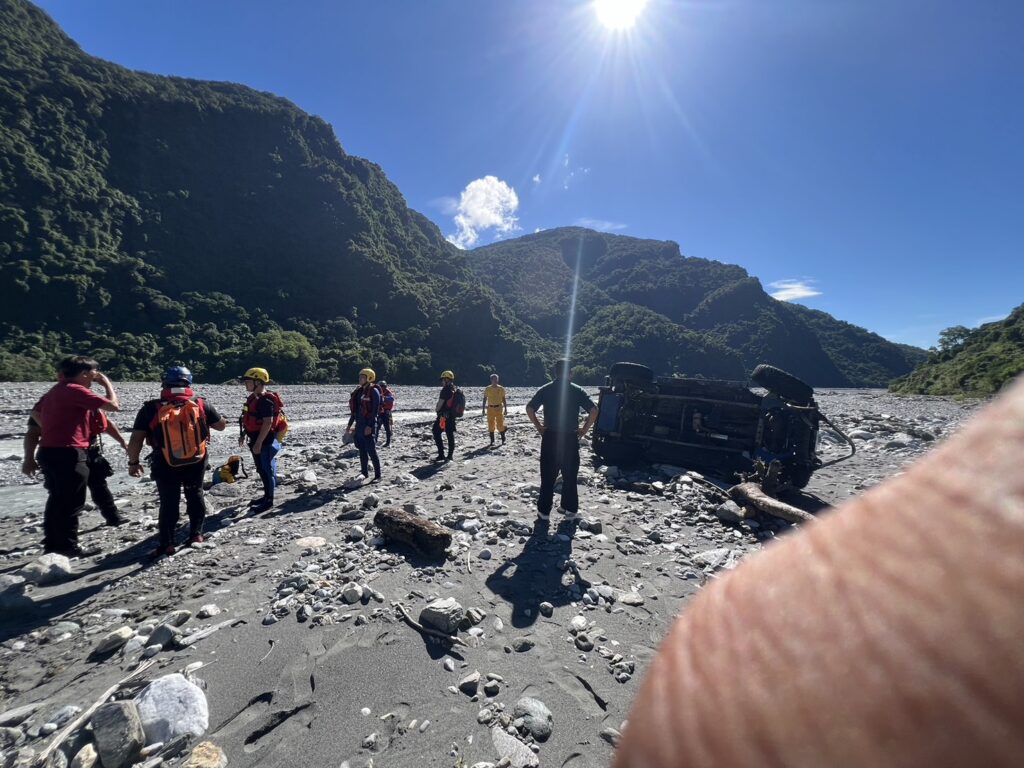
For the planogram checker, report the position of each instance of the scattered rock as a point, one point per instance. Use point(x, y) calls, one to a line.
point(546, 609)
point(19, 715)
point(308, 542)
point(537, 718)
point(48, 569)
point(86, 757)
point(352, 593)
point(171, 706)
point(469, 684)
point(631, 598)
point(207, 611)
point(522, 644)
point(206, 755)
point(443, 615)
point(512, 750)
point(114, 640)
point(118, 731)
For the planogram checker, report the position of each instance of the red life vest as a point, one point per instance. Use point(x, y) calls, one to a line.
point(387, 399)
point(363, 400)
point(250, 416)
point(97, 423)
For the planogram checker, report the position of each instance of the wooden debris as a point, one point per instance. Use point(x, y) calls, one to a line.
point(424, 535)
point(752, 494)
point(197, 636)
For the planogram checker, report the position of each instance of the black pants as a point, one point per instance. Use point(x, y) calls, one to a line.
point(98, 490)
point(170, 481)
point(65, 474)
point(559, 452)
point(449, 430)
point(384, 420)
point(367, 445)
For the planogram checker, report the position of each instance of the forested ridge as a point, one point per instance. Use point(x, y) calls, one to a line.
point(148, 219)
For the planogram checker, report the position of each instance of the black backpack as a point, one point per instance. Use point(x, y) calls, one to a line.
point(456, 403)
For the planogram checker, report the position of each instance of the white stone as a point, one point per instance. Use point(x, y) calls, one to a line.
point(47, 569)
point(513, 750)
point(443, 615)
point(170, 707)
point(311, 542)
point(352, 593)
point(114, 640)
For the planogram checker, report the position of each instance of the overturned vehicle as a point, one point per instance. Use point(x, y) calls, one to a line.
point(720, 427)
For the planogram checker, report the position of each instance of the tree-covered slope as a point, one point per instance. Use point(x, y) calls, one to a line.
point(719, 303)
point(149, 219)
point(976, 363)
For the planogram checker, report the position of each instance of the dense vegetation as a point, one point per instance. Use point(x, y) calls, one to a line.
point(148, 220)
point(702, 317)
point(975, 363)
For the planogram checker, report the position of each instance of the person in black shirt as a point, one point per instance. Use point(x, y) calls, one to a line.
point(561, 401)
point(445, 421)
point(177, 387)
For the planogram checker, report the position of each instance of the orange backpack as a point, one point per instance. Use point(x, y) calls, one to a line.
point(180, 431)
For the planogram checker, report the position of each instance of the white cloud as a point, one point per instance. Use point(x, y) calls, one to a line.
point(536, 178)
point(487, 203)
point(791, 290)
point(599, 224)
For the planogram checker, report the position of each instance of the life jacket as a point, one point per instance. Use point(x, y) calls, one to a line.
point(364, 402)
point(456, 404)
point(387, 399)
point(250, 417)
point(179, 430)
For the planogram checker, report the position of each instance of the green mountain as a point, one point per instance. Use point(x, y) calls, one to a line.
point(975, 363)
point(152, 219)
point(148, 220)
point(644, 301)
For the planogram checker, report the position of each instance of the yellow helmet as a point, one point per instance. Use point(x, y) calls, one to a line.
point(447, 375)
point(369, 374)
point(257, 374)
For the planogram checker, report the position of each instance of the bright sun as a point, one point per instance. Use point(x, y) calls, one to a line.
point(618, 14)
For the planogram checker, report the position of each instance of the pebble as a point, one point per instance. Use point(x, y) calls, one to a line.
point(114, 640)
point(547, 609)
point(207, 611)
point(523, 644)
point(537, 718)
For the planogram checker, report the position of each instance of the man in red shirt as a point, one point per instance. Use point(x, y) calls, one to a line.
point(64, 414)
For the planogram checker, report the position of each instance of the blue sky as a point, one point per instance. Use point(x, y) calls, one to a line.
point(868, 152)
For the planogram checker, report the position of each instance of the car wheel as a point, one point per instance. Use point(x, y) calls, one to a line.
point(616, 454)
point(630, 373)
point(785, 385)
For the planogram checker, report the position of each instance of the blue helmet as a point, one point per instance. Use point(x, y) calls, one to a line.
point(177, 374)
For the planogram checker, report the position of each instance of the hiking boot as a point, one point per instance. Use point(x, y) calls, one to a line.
point(492, 439)
point(376, 478)
point(258, 502)
point(439, 457)
point(502, 438)
point(263, 506)
point(163, 550)
point(115, 520)
point(196, 539)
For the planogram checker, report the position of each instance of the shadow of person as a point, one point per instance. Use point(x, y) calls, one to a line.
point(535, 575)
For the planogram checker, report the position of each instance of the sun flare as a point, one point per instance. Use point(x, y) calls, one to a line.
point(618, 14)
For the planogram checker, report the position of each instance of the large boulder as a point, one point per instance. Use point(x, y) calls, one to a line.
point(118, 732)
point(537, 718)
point(170, 707)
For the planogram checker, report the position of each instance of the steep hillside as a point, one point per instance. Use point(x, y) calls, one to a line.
point(975, 363)
point(717, 303)
point(150, 219)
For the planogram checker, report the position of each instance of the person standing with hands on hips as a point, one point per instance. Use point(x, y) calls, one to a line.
point(495, 408)
point(560, 434)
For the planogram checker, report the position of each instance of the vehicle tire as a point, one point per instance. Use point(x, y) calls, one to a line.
point(785, 385)
point(616, 454)
point(631, 373)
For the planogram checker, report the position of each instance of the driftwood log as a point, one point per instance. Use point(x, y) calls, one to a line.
point(423, 535)
point(752, 494)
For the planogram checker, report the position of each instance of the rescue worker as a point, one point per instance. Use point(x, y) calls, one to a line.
point(561, 401)
point(260, 419)
point(495, 408)
point(364, 404)
point(387, 406)
point(189, 453)
point(64, 415)
point(445, 421)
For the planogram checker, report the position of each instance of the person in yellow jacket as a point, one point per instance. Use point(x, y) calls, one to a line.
point(495, 407)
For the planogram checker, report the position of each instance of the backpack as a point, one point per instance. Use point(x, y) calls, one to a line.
point(387, 400)
point(179, 430)
point(456, 403)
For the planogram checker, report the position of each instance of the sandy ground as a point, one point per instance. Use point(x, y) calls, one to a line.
point(305, 678)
